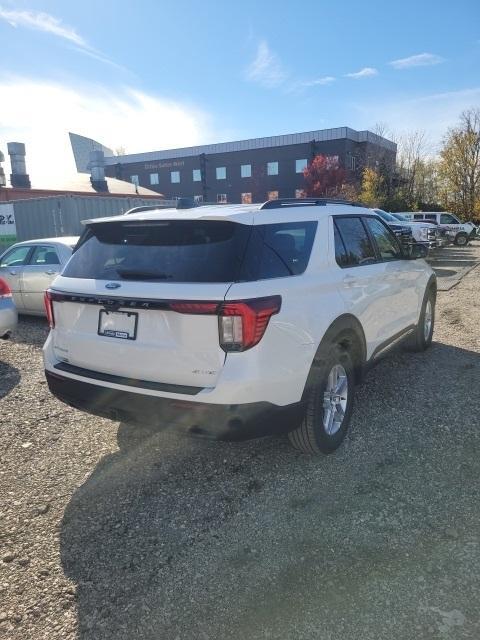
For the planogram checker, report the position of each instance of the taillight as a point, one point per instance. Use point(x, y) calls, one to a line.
point(5, 291)
point(47, 299)
point(241, 323)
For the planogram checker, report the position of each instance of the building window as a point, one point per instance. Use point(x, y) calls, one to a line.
point(246, 198)
point(134, 180)
point(221, 173)
point(221, 198)
point(299, 193)
point(300, 165)
point(246, 170)
point(174, 176)
point(272, 195)
point(351, 163)
point(272, 168)
point(154, 178)
point(197, 175)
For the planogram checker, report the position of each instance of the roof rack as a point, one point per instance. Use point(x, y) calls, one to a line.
point(306, 202)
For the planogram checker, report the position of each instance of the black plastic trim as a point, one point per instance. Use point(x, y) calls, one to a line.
point(220, 422)
point(306, 202)
point(391, 342)
point(128, 382)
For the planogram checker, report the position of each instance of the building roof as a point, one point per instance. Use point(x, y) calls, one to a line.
point(80, 182)
point(319, 135)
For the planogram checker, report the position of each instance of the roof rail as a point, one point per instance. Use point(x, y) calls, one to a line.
point(306, 202)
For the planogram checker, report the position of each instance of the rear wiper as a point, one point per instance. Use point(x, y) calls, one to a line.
point(142, 275)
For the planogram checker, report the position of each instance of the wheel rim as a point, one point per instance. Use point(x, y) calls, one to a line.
point(335, 399)
point(427, 322)
point(461, 240)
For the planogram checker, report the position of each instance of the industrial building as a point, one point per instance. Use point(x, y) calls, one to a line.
point(29, 210)
point(245, 171)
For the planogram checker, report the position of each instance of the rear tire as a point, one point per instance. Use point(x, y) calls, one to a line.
point(329, 404)
point(461, 239)
point(422, 337)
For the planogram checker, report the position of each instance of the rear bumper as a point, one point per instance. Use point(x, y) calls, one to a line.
point(222, 422)
point(8, 316)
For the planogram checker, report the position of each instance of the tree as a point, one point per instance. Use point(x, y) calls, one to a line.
point(411, 153)
point(460, 166)
point(323, 177)
point(372, 192)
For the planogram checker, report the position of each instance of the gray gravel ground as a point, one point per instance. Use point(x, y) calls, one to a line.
point(117, 532)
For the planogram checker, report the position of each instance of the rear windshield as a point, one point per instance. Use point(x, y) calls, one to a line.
point(191, 251)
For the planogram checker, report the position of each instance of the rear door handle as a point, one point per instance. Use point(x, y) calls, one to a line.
point(349, 279)
point(51, 272)
point(13, 273)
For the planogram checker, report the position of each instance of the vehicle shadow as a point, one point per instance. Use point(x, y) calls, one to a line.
point(9, 377)
point(163, 538)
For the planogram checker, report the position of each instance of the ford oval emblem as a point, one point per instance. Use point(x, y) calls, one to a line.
point(113, 285)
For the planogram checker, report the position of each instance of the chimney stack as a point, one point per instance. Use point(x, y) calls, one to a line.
point(97, 170)
point(19, 176)
point(3, 182)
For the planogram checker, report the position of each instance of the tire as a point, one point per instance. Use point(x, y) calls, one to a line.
point(311, 436)
point(461, 239)
point(422, 337)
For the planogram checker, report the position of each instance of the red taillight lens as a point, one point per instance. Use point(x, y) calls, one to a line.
point(5, 291)
point(196, 308)
point(47, 299)
point(242, 324)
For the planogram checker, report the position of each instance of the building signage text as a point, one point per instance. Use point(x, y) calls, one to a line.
point(164, 165)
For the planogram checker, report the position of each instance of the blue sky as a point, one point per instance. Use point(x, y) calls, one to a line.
point(147, 75)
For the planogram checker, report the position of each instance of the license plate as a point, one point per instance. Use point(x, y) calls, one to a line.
point(117, 324)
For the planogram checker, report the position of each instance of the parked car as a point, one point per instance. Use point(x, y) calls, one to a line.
point(459, 232)
point(235, 321)
point(402, 231)
point(8, 311)
point(441, 237)
point(30, 267)
point(423, 234)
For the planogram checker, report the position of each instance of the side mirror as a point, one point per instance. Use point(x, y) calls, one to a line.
point(417, 251)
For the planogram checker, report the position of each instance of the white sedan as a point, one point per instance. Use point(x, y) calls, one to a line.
point(30, 267)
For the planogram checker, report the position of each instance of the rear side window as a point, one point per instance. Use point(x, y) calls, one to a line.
point(43, 256)
point(191, 251)
point(286, 248)
point(418, 216)
point(358, 249)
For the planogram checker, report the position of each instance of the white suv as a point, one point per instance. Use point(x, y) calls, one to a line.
point(459, 232)
point(234, 321)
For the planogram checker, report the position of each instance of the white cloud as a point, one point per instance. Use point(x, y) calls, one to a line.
point(319, 81)
point(434, 113)
point(266, 68)
point(419, 60)
point(366, 72)
point(40, 21)
point(41, 113)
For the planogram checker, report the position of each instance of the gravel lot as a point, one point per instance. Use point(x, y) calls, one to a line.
point(117, 532)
